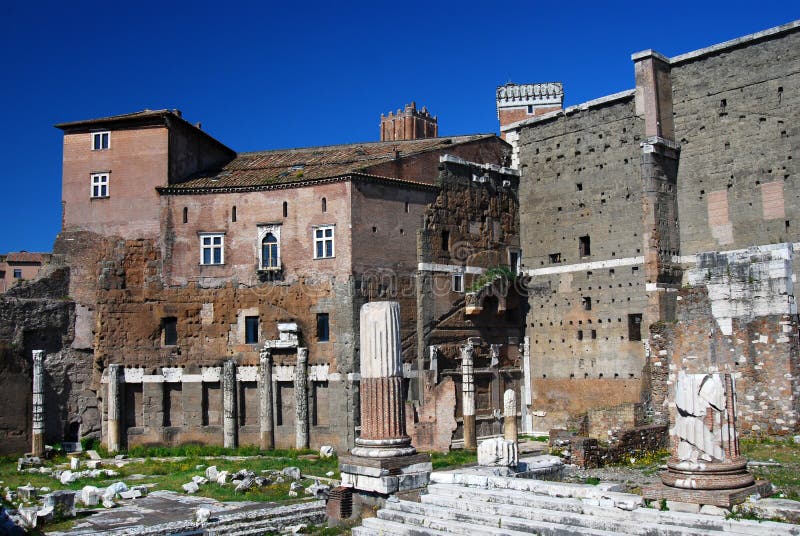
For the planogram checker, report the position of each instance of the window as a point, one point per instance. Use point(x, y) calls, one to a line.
point(635, 327)
point(251, 330)
point(514, 261)
point(587, 303)
point(324, 205)
point(584, 248)
point(580, 335)
point(233, 213)
point(445, 241)
point(285, 209)
point(101, 141)
point(269, 252)
point(323, 327)
point(211, 248)
point(17, 273)
point(169, 331)
point(458, 283)
point(555, 258)
point(323, 242)
point(99, 185)
point(185, 215)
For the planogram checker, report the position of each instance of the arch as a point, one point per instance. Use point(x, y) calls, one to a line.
point(270, 251)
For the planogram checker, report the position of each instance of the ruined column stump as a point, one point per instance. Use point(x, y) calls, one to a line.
point(229, 405)
point(37, 437)
point(383, 461)
point(706, 466)
point(301, 399)
point(265, 400)
point(510, 415)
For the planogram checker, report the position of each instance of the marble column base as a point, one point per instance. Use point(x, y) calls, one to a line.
point(386, 475)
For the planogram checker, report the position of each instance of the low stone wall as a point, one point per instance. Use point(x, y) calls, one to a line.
point(587, 452)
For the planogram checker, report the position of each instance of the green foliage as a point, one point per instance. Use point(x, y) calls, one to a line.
point(538, 438)
point(663, 505)
point(593, 480)
point(454, 458)
point(490, 275)
point(199, 450)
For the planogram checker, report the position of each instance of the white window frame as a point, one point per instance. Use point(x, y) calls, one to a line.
point(319, 235)
point(99, 135)
point(207, 242)
point(263, 231)
point(99, 180)
point(457, 282)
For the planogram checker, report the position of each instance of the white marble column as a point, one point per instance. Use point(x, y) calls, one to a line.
point(383, 429)
point(468, 395)
point(265, 400)
point(38, 403)
point(229, 424)
point(301, 399)
point(510, 415)
point(114, 403)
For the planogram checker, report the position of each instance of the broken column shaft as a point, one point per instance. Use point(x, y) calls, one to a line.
point(229, 405)
point(468, 395)
point(37, 447)
point(383, 431)
point(114, 410)
point(265, 401)
point(301, 399)
point(510, 415)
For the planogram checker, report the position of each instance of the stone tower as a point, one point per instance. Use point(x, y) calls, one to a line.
point(409, 124)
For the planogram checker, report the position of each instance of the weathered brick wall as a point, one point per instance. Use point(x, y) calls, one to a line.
point(735, 119)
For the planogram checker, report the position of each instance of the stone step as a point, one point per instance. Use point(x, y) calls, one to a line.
point(467, 523)
point(373, 526)
point(621, 525)
point(700, 522)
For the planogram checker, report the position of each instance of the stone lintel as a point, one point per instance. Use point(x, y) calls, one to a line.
point(724, 498)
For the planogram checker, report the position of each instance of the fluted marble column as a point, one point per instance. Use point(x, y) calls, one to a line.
point(510, 415)
point(114, 402)
point(301, 399)
point(38, 403)
point(229, 405)
point(265, 400)
point(383, 430)
point(468, 395)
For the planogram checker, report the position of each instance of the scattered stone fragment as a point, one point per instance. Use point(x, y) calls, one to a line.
point(318, 491)
point(130, 494)
point(93, 464)
point(68, 477)
point(62, 502)
point(292, 493)
point(108, 503)
point(120, 456)
point(114, 489)
point(292, 472)
point(90, 495)
point(326, 451)
point(222, 478)
point(201, 515)
point(212, 473)
point(191, 487)
point(296, 486)
point(782, 509)
point(93, 455)
point(199, 480)
point(74, 463)
point(262, 481)
point(245, 484)
point(330, 474)
point(199, 466)
point(27, 462)
point(27, 516)
point(46, 470)
point(27, 493)
point(294, 529)
point(280, 480)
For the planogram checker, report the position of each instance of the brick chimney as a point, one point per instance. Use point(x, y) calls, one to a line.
point(409, 124)
point(517, 102)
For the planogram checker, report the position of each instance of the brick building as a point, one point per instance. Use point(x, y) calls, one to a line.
point(20, 266)
point(186, 256)
point(688, 180)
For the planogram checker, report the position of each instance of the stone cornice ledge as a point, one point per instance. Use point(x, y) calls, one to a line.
point(588, 105)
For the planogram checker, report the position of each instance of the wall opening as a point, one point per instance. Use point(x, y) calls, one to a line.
point(587, 303)
point(635, 327)
point(584, 247)
point(169, 331)
point(285, 209)
point(324, 205)
point(185, 214)
point(211, 404)
point(173, 404)
point(445, 240)
point(320, 414)
point(555, 258)
point(233, 213)
point(133, 405)
point(323, 327)
point(251, 330)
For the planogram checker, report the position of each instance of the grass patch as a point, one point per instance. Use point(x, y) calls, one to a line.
point(538, 438)
point(593, 480)
point(454, 458)
point(786, 477)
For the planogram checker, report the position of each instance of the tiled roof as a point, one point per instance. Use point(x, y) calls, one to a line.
point(144, 114)
point(286, 166)
point(24, 256)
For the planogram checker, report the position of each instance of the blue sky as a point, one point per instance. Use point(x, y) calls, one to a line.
point(267, 75)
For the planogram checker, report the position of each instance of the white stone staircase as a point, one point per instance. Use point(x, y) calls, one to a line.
point(546, 508)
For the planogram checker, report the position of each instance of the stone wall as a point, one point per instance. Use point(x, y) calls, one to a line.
point(39, 315)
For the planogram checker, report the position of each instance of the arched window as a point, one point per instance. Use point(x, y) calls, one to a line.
point(324, 205)
point(269, 252)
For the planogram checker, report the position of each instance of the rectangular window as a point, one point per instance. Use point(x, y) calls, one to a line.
point(323, 327)
point(169, 331)
point(580, 335)
point(458, 283)
point(17, 273)
point(635, 327)
point(445, 240)
point(99, 185)
point(555, 258)
point(323, 242)
point(212, 246)
point(584, 248)
point(587, 303)
point(251, 330)
point(514, 261)
point(101, 141)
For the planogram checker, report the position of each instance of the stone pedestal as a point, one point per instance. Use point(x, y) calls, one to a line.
point(265, 401)
point(498, 452)
point(510, 415)
point(706, 466)
point(468, 396)
point(114, 403)
point(37, 436)
point(383, 460)
point(301, 399)
point(229, 405)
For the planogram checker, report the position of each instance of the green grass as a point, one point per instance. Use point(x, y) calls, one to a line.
point(454, 458)
point(786, 477)
point(538, 438)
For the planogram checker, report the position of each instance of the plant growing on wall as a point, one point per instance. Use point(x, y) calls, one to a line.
point(490, 275)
